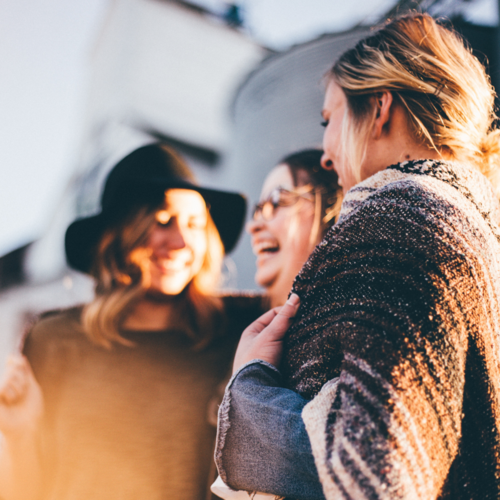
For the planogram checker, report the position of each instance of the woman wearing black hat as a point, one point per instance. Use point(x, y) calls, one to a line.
point(122, 390)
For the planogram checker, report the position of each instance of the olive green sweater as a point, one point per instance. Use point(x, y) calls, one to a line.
point(130, 423)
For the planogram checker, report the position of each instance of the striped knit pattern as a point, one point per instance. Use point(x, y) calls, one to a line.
point(401, 303)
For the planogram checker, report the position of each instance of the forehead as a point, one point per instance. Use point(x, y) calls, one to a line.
point(279, 176)
point(334, 98)
point(184, 201)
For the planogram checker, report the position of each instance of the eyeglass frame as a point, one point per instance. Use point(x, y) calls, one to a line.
point(259, 208)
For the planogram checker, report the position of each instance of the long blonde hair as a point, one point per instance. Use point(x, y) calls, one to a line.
point(444, 89)
point(120, 283)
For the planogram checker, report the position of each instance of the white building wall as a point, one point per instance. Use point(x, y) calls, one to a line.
point(161, 66)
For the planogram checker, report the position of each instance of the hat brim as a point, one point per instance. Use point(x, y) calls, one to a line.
point(227, 209)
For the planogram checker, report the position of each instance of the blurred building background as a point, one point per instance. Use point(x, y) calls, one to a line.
point(200, 77)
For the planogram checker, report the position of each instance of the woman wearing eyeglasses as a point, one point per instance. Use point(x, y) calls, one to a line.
point(299, 203)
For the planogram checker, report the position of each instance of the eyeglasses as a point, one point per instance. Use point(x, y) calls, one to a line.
point(279, 197)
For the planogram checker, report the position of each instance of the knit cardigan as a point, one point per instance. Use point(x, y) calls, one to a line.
point(400, 311)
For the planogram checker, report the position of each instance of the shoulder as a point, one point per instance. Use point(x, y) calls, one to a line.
point(244, 307)
point(53, 327)
point(53, 344)
point(244, 303)
point(404, 217)
point(58, 320)
point(390, 193)
point(436, 187)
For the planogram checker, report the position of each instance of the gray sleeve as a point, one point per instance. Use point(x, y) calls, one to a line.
point(262, 443)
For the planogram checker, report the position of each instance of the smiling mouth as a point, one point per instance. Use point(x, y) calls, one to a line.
point(265, 248)
point(171, 266)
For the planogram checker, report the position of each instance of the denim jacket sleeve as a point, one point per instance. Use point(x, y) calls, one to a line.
point(262, 443)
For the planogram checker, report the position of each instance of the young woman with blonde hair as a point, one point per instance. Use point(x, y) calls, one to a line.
point(113, 399)
point(390, 345)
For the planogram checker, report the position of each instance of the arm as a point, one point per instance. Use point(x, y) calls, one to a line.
point(398, 309)
point(21, 408)
point(262, 444)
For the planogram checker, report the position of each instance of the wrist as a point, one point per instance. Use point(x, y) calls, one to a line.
point(20, 435)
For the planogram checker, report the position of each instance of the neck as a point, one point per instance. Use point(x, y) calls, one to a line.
point(277, 297)
point(397, 143)
point(281, 287)
point(151, 313)
point(417, 152)
point(278, 292)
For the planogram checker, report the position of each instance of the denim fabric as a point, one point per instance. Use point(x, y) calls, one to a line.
point(262, 443)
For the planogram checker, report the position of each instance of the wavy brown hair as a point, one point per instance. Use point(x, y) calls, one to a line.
point(442, 86)
point(120, 283)
point(306, 170)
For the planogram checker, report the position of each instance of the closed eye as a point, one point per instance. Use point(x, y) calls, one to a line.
point(198, 223)
point(163, 223)
point(163, 218)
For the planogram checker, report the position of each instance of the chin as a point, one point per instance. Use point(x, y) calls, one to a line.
point(169, 288)
point(174, 290)
point(265, 280)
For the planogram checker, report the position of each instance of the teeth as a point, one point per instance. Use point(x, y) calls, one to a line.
point(172, 265)
point(263, 246)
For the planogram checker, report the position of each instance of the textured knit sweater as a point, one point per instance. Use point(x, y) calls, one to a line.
point(400, 311)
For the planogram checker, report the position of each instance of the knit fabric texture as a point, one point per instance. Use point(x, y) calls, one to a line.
point(401, 303)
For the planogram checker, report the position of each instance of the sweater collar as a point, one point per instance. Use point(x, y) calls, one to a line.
point(471, 183)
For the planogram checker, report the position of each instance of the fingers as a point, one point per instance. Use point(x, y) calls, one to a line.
point(279, 325)
point(285, 312)
point(15, 381)
point(263, 338)
point(260, 323)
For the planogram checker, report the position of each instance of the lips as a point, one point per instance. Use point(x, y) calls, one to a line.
point(264, 247)
point(171, 265)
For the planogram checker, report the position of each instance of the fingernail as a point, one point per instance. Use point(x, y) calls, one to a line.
point(293, 300)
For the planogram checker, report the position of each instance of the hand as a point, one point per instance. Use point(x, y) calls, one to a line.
point(21, 399)
point(263, 339)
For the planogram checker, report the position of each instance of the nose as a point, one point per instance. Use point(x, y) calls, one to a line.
point(326, 163)
point(172, 236)
point(254, 225)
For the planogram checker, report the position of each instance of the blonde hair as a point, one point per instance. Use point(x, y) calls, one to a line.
point(444, 89)
point(120, 283)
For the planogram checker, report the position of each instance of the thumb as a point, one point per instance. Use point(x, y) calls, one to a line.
point(289, 310)
point(281, 322)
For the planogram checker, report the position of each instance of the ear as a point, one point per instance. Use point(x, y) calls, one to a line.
point(383, 108)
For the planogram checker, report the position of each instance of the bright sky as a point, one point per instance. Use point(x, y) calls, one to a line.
point(45, 46)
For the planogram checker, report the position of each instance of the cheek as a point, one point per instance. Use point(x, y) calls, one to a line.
point(328, 136)
point(154, 240)
point(199, 246)
point(281, 226)
point(299, 233)
point(336, 146)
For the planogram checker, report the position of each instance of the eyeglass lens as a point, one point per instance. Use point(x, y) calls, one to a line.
point(277, 198)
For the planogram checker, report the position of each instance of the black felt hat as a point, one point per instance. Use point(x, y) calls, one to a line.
point(139, 179)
